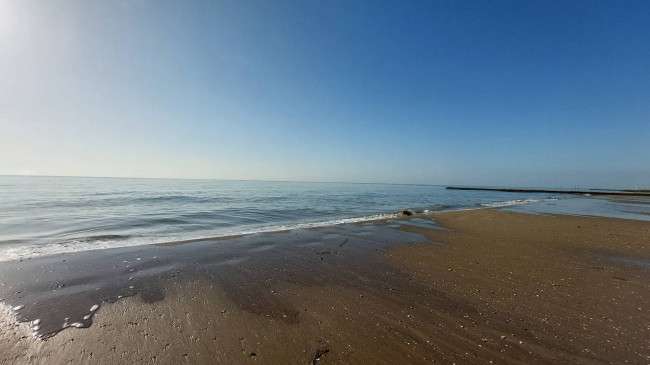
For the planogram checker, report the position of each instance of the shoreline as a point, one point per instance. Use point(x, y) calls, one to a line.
point(273, 229)
point(369, 292)
point(81, 244)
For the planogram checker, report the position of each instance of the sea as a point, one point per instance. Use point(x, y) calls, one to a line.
point(51, 215)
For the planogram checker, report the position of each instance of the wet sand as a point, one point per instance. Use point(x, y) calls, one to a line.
point(496, 286)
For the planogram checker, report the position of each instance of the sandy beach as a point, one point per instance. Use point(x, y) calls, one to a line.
point(493, 287)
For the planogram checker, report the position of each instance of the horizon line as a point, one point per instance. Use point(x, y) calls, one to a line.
point(217, 179)
point(575, 187)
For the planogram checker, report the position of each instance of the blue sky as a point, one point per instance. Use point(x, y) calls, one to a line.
point(518, 93)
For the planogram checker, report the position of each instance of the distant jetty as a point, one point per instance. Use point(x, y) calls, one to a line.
point(591, 192)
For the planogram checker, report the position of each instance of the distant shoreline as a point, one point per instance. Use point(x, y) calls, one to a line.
point(591, 192)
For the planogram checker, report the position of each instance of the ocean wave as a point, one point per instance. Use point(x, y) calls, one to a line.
point(22, 249)
point(509, 203)
point(108, 241)
point(95, 201)
point(101, 242)
point(100, 238)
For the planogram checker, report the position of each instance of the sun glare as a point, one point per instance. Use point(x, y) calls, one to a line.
point(8, 20)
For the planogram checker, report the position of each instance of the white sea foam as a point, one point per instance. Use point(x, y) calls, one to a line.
point(509, 203)
point(28, 251)
point(8, 318)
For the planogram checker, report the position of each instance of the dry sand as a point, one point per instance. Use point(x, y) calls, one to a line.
point(500, 287)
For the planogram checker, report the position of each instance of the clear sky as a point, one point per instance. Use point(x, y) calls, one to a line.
point(519, 93)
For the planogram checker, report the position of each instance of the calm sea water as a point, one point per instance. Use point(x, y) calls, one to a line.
point(47, 215)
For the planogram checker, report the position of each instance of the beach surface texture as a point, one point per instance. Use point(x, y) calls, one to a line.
point(477, 286)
